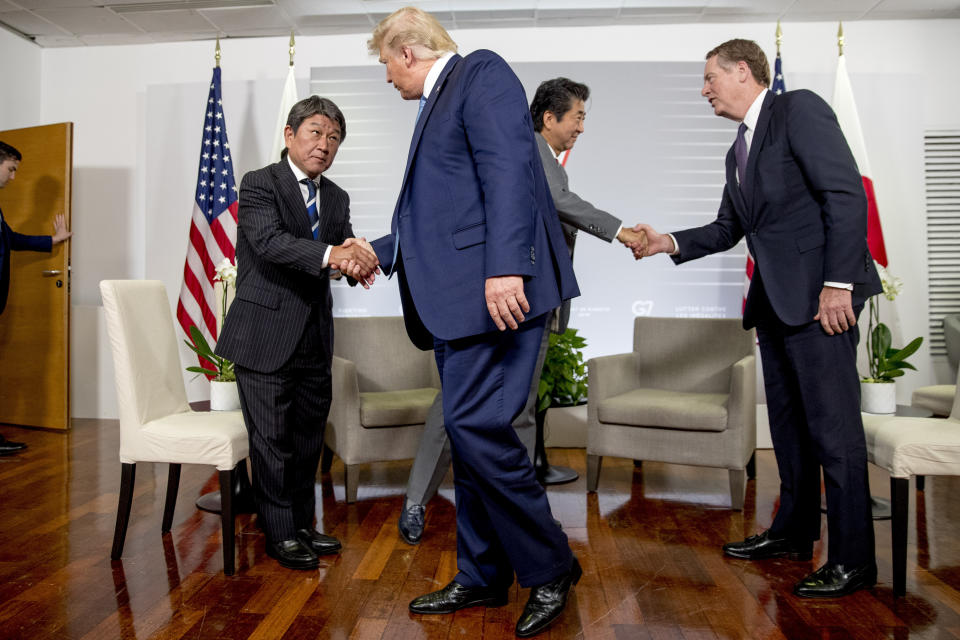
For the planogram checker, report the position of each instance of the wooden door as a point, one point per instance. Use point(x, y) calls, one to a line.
point(35, 327)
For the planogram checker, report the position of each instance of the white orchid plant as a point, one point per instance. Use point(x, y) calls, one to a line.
point(886, 362)
point(220, 369)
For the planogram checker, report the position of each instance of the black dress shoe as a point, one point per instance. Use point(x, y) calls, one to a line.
point(411, 524)
point(455, 596)
point(766, 546)
point(292, 554)
point(546, 602)
point(835, 580)
point(319, 543)
point(8, 448)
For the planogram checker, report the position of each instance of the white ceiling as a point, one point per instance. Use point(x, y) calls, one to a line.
point(70, 23)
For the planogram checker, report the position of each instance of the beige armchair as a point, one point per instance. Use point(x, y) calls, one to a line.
point(156, 422)
point(383, 387)
point(685, 395)
point(938, 398)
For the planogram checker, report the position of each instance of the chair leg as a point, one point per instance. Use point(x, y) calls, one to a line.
point(738, 488)
point(921, 483)
point(752, 466)
point(128, 473)
point(326, 459)
point(593, 471)
point(227, 517)
point(351, 478)
point(173, 485)
point(900, 502)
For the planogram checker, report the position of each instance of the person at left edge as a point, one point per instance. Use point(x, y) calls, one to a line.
point(10, 240)
point(480, 258)
point(294, 224)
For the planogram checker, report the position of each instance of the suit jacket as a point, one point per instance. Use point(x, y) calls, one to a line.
point(10, 240)
point(574, 212)
point(279, 277)
point(802, 208)
point(474, 204)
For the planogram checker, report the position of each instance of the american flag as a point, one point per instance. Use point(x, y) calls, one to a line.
point(213, 229)
point(778, 87)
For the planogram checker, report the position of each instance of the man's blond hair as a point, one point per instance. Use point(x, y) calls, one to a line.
point(414, 28)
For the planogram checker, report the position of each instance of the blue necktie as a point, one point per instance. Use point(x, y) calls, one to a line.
point(740, 151)
point(312, 206)
point(423, 101)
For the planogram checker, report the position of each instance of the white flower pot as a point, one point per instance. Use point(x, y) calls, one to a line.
point(224, 396)
point(878, 397)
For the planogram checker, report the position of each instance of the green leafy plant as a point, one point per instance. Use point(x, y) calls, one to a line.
point(212, 365)
point(886, 362)
point(222, 369)
point(563, 381)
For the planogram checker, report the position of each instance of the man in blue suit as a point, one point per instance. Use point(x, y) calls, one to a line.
point(480, 259)
point(10, 240)
point(794, 191)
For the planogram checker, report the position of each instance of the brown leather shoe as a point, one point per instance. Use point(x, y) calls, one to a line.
point(764, 545)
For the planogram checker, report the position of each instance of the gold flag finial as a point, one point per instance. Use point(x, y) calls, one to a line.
point(779, 37)
point(216, 55)
point(840, 37)
point(293, 45)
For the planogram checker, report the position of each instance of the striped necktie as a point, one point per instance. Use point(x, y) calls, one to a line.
point(312, 206)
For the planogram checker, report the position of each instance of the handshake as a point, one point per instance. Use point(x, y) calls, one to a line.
point(355, 258)
point(643, 241)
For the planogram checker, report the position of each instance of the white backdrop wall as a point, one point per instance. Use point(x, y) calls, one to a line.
point(127, 101)
point(19, 82)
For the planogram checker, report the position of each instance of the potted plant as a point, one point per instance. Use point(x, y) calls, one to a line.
point(563, 383)
point(223, 382)
point(886, 362)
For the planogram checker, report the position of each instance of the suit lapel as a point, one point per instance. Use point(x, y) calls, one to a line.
point(293, 198)
point(425, 115)
point(763, 123)
point(327, 211)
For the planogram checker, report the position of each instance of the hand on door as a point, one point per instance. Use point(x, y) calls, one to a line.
point(60, 231)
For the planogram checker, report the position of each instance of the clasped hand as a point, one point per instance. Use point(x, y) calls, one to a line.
point(356, 258)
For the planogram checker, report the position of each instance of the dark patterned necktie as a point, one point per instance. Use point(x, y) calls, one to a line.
point(740, 151)
point(312, 206)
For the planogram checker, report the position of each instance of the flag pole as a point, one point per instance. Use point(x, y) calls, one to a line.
point(293, 45)
point(840, 37)
point(216, 55)
point(779, 37)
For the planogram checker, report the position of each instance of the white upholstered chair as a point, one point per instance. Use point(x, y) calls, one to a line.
point(156, 422)
point(911, 447)
point(686, 394)
point(383, 387)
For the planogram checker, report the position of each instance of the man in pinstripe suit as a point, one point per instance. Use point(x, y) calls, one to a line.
point(293, 225)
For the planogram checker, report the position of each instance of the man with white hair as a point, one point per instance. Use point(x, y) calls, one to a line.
point(481, 259)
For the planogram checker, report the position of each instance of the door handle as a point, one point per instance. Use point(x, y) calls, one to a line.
point(50, 273)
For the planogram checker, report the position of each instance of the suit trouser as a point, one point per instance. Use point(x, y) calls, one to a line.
point(285, 412)
point(504, 523)
point(433, 454)
point(813, 400)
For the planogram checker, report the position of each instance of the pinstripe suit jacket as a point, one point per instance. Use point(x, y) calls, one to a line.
point(279, 266)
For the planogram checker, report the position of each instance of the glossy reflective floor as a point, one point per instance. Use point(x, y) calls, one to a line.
point(649, 543)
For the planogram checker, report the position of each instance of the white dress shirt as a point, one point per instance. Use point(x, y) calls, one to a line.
point(305, 192)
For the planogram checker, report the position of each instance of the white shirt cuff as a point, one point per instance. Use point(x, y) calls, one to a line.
point(839, 285)
point(326, 256)
point(676, 245)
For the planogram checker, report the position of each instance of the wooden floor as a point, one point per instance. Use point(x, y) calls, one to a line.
point(649, 543)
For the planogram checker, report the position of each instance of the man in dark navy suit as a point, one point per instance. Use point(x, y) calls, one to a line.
point(294, 225)
point(10, 240)
point(794, 191)
point(480, 258)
